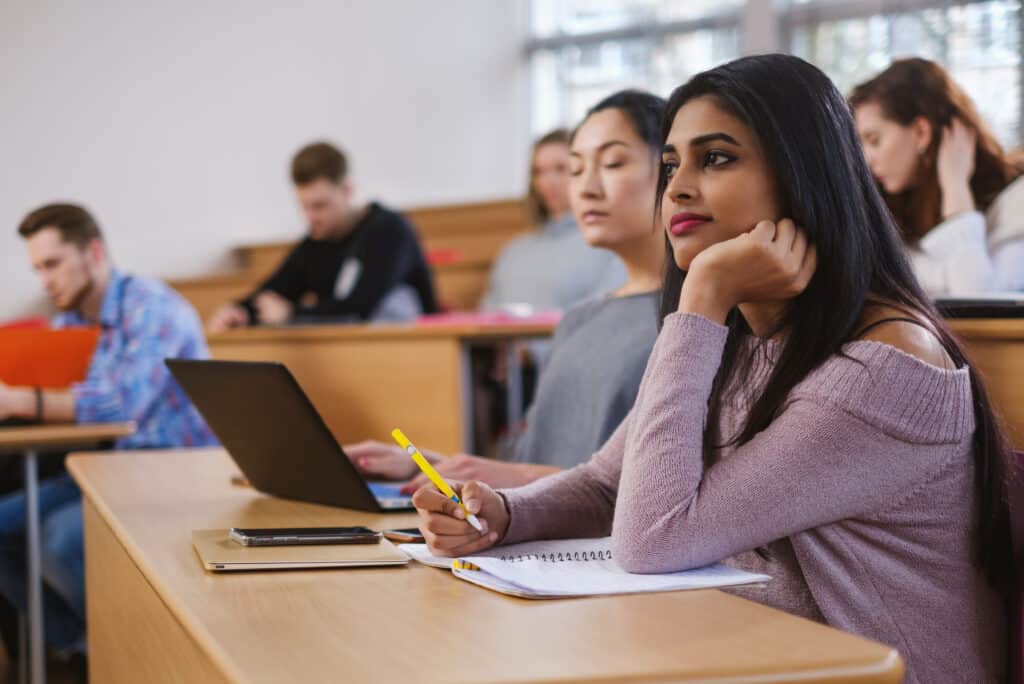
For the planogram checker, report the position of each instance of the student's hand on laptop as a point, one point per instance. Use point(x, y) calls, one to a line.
point(379, 461)
point(443, 522)
point(465, 467)
point(272, 308)
point(227, 317)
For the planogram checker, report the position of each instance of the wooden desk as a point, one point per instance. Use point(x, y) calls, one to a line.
point(156, 616)
point(21, 438)
point(351, 372)
point(25, 441)
point(367, 379)
point(996, 348)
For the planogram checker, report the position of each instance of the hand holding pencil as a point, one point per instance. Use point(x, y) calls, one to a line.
point(456, 519)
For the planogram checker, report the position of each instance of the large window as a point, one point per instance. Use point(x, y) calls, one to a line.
point(581, 50)
point(979, 42)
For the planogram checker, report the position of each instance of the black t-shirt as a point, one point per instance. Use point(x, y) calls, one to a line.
point(349, 277)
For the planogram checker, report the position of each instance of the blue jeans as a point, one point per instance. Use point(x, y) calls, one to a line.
point(63, 560)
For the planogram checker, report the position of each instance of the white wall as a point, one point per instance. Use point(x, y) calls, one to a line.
point(174, 121)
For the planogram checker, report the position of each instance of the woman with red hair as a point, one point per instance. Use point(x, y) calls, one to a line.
point(955, 194)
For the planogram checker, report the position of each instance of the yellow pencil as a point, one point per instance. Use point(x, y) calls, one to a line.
point(434, 476)
point(463, 565)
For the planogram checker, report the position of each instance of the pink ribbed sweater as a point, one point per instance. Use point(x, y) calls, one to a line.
point(860, 490)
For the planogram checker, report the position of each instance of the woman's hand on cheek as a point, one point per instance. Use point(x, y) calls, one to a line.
point(772, 262)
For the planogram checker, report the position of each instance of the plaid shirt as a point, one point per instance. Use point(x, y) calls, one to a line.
point(143, 322)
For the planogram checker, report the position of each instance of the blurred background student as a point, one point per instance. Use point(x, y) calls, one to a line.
point(359, 262)
point(552, 267)
point(955, 194)
point(143, 323)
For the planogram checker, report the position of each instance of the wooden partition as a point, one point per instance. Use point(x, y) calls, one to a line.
point(210, 293)
point(366, 380)
point(996, 348)
point(465, 237)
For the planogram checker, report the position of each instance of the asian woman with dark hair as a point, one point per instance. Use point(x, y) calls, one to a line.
point(804, 413)
point(600, 347)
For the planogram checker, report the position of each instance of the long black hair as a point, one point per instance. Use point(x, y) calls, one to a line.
point(807, 132)
point(643, 110)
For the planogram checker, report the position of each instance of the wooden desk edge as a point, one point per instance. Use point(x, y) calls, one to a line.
point(892, 665)
point(61, 434)
point(203, 639)
point(997, 329)
point(401, 331)
point(229, 279)
point(988, 328)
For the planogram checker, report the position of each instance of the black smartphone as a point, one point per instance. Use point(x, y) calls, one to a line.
point(292, 536)
point(404, 535)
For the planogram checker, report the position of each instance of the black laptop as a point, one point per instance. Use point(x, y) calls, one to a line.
point(1009, 305)
point(268, 425)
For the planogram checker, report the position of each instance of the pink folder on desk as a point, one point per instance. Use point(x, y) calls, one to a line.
point(34, 322)
point(37, 357)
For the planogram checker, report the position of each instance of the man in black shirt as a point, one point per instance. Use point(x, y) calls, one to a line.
point(355, 261)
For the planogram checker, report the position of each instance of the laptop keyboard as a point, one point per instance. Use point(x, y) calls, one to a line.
point(389, 495)
point(393, 504)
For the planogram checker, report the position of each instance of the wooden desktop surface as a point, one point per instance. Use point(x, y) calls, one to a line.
point(365, 380)
point(60, 434)
point(155, 615)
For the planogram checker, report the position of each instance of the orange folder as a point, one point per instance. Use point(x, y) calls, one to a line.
point(44, 357)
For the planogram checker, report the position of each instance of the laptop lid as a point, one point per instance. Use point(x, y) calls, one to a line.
point(272, 431)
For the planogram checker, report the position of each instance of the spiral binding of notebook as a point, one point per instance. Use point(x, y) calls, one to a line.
point(570, 567)
point(560, 557)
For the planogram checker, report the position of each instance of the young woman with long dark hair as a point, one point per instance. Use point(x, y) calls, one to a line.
point(804, 413)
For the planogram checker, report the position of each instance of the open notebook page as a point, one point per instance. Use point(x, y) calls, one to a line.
point(573, 567)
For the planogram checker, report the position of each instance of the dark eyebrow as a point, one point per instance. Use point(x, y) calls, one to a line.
point(711, 137)
point(602, 147)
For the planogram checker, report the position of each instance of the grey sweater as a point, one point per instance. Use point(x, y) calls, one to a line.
point(590, 379)
point(861, 489)
point(552, 268)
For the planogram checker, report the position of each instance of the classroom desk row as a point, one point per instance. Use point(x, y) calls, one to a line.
point(155, 615)
point(366, 380)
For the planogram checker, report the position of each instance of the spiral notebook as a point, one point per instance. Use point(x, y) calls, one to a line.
point(571, 567)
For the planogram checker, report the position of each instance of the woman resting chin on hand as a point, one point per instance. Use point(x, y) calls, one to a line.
point(805, 412)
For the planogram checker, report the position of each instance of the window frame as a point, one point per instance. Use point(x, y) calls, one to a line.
point(764, 26)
